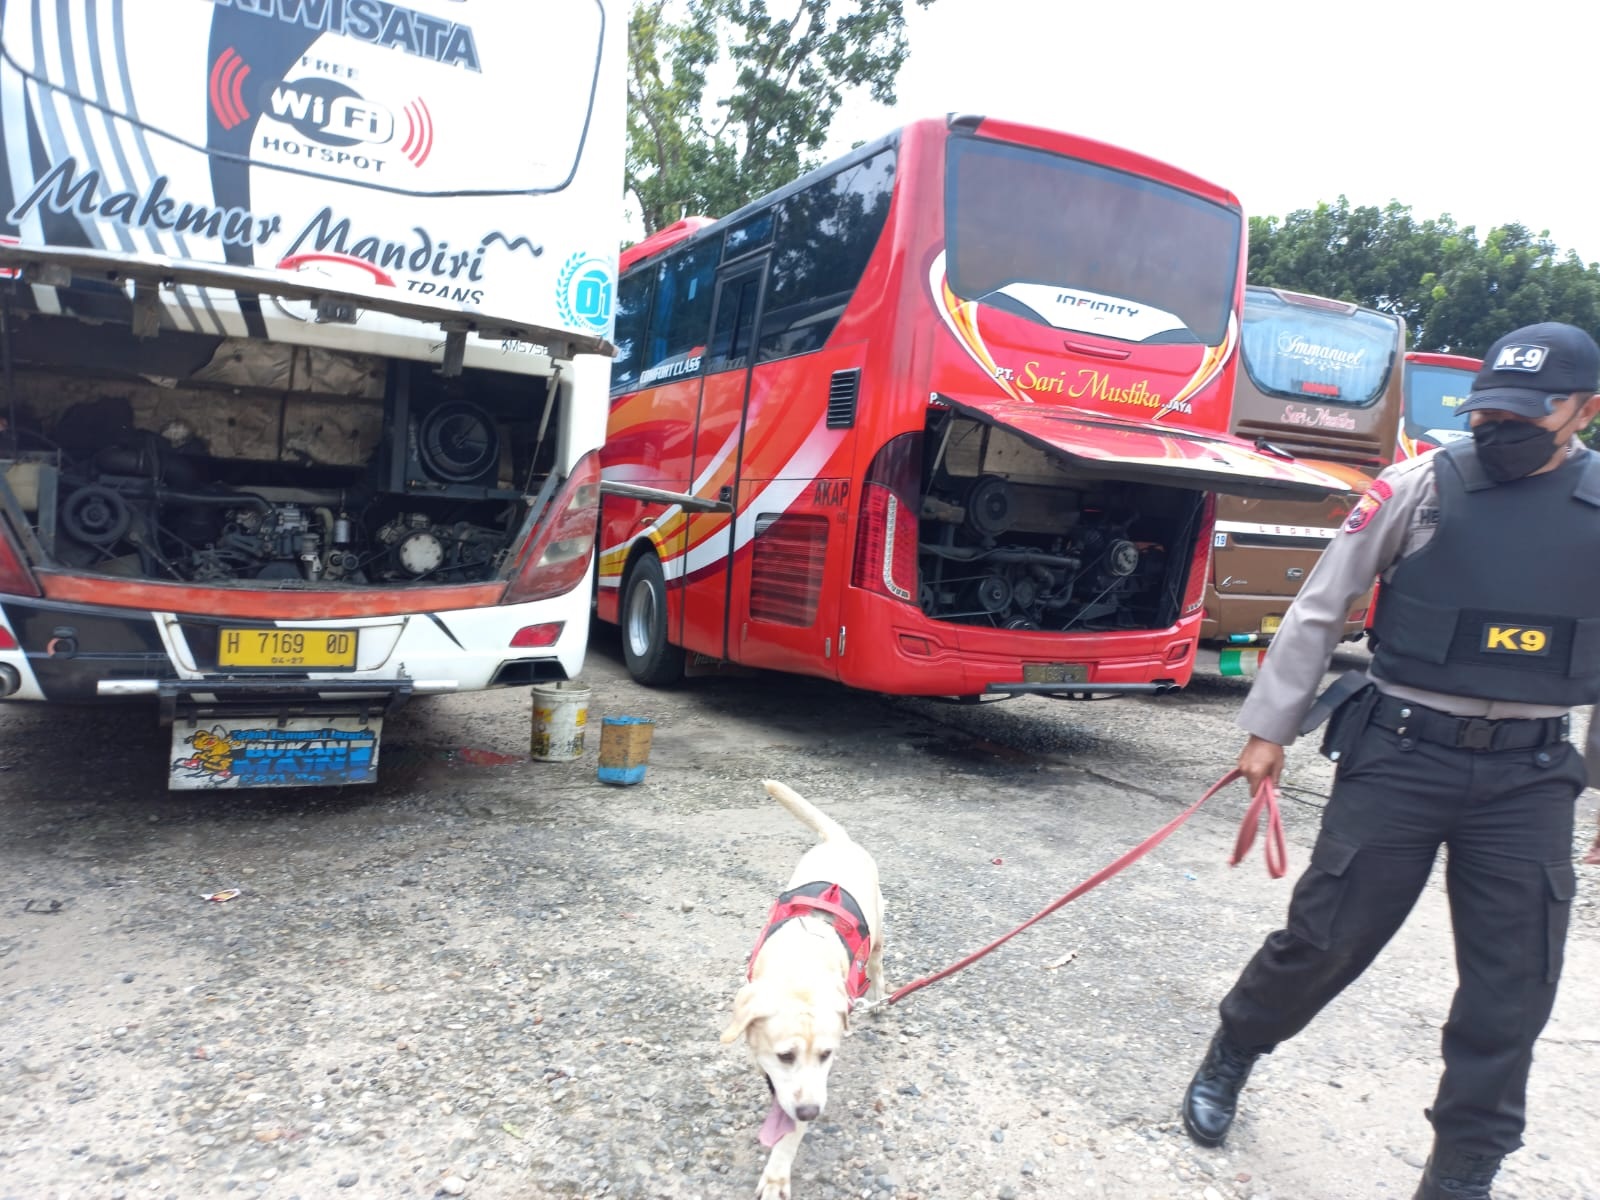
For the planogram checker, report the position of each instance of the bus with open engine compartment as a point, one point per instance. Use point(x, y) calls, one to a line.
point(303, 392)
point(943, 417)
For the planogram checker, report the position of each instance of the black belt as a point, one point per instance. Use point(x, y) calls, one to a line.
point(1412, 720)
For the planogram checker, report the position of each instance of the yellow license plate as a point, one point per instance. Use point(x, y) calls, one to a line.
point(293, 648)
point(1271, 624)
point(1055, 673)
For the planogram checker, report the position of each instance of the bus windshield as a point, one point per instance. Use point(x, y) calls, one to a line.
point(1087, 248)
point(1434, 396)
point(1320, 354)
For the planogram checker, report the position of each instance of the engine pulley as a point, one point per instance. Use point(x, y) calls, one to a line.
point(419, 553)
point(993, 593)
point(1122, 558)
point(991, 507)
point(457, 442)
point(96, 515)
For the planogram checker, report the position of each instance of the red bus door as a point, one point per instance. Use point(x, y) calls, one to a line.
point(794, 506)
point(725, 392)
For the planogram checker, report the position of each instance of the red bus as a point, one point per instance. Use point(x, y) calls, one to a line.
point(942, 417)
point(1435, 387)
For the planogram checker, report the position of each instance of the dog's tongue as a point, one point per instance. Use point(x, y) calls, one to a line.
point(777, 1124)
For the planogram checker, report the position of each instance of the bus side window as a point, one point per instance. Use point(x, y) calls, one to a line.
point(825, 236)
point(681, 315)
point(736, 319)
point(633, 307)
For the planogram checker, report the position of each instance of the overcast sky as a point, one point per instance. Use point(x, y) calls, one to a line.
point(1488, 113)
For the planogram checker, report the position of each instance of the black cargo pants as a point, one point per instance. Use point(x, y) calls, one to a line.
point(1506, 817)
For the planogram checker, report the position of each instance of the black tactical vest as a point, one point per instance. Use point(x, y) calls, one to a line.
point(1504, 602)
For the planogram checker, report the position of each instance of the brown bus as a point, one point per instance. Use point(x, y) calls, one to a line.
point(1322, 382)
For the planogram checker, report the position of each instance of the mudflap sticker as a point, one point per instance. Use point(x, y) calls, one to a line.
point(253, 752)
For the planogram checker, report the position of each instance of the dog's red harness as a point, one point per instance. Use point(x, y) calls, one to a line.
point(840, 909)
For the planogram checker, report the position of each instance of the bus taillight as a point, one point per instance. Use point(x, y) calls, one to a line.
point(1194, 594)
point(886, 537)
point(15, 578)
point(558, 556)
point(531, 637)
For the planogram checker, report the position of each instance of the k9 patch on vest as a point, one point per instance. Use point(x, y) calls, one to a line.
point(1369, 504)
point(1525, 641)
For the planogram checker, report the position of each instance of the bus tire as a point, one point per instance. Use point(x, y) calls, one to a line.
point(652, 660)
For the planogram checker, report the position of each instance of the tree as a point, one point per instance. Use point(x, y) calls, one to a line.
point(1455, 293)
point(789, 77)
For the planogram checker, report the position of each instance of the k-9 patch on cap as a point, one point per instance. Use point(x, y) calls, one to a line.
point(1520, 358)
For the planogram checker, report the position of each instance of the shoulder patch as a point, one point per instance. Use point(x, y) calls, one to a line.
point(1369, 503)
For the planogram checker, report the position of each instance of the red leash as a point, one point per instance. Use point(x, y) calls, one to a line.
point(1264, 804)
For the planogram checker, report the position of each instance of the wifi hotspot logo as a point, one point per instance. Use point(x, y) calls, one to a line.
point(341, 126)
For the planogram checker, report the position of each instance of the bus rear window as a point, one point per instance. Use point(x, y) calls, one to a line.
point(1317, 354)
point(1087, 248)
point(1434, 396)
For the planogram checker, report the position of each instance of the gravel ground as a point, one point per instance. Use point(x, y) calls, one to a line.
point(507, 980)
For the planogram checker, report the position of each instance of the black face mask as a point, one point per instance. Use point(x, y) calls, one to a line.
point(1512, 450)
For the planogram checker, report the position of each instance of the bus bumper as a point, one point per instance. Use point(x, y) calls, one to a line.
point(1252, 620)
point(1085, 691)
point(61, 652)
point(893, 649)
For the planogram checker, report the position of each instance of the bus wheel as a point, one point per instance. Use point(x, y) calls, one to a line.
point(651, 659)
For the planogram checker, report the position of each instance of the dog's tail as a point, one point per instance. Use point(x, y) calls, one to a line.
point(809, 815)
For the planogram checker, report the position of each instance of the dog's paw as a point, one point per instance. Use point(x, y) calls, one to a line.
point(773, 1187)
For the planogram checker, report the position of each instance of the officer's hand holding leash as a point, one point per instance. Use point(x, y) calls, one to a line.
point(1261, 759)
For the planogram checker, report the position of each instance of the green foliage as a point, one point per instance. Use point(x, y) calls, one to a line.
point(788, 78)
point(1457, 294)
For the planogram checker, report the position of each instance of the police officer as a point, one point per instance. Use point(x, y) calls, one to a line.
point(1487, 633)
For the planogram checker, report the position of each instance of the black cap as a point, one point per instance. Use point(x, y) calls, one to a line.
point(1530, 368)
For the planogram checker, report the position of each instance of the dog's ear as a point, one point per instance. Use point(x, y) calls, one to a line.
point(753, 1003)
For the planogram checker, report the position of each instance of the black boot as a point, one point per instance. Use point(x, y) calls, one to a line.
point(1452, 1175)
point(1213, 1095)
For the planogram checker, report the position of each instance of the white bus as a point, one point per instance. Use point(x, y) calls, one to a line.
point(305, 321)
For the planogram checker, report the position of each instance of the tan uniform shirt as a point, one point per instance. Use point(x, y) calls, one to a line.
point(1302, 649)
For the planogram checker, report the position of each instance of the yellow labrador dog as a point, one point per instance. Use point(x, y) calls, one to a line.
point(821, 950)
